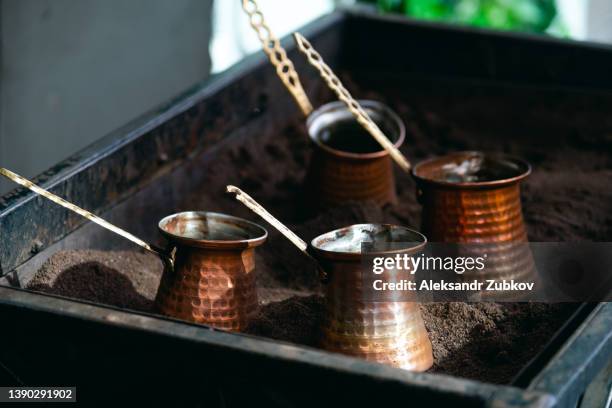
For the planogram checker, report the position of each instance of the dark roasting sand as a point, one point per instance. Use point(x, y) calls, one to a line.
point(567, 198)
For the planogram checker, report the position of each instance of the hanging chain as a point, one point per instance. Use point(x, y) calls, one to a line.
point(361, 115)
point(277, 55)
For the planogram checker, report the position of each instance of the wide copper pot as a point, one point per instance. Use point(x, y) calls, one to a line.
point(213, 281)
point(473, 198)
point(348, 164)
point(388, 332)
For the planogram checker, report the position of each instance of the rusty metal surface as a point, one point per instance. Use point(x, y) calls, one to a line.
point(390, 332)
point(338, 176)
point(213, 281)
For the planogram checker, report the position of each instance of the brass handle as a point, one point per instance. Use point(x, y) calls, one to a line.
point(258, 209)
point(343, 94)
point(167, 258)
point(277, 55)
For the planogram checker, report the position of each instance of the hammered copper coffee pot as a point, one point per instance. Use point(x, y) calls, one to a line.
point(209, 275)
point(380, 330)
point(388, 332)
point(474, 198)
point(213, 281)
point(347, 163)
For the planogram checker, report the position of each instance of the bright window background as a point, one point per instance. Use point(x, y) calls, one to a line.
point(234, 38)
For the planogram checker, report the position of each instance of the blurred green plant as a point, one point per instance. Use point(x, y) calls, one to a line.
point(517, 15)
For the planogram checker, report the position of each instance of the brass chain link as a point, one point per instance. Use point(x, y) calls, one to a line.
point(277, 55)
point(344, 95)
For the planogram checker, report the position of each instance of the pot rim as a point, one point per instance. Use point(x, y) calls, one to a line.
point(524, 171)
point(319, 252)
point(255, 238)
point(366, 104)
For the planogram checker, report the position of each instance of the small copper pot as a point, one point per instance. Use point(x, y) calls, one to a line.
point(213, 281)
point(348, 164)
point(389, 332)
point(474, 198)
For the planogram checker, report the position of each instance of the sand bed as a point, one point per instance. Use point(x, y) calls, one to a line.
point(567, 198)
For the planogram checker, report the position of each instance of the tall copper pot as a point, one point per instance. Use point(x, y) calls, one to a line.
point(348, 164)
point(389, 332)
point(213, 281)
point(474, 198)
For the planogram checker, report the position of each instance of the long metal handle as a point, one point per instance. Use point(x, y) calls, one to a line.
point(258, 209)
point(360, 114)
point(263, 213)
point(84, 213)
point(277, 55)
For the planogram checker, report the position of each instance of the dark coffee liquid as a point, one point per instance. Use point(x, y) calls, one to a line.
point(349, 136)
point(480, 169)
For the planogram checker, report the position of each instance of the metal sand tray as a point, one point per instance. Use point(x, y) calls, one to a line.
point(558, 377)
